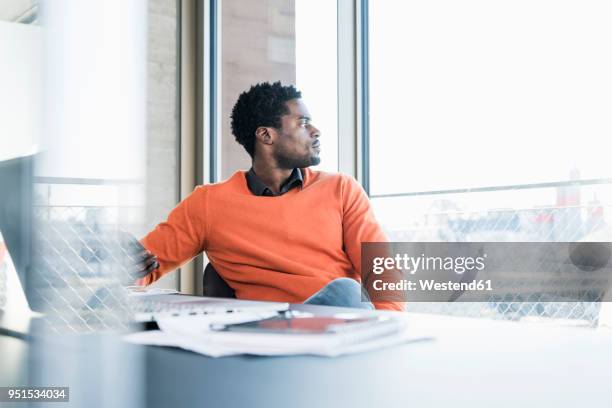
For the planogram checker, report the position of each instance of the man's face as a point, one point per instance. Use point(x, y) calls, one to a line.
point(297, 142)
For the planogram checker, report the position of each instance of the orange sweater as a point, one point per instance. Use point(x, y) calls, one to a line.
point(282, 248)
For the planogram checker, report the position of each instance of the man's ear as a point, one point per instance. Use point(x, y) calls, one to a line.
point(264, 135)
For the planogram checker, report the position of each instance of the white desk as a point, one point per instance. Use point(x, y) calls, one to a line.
point(473, 363)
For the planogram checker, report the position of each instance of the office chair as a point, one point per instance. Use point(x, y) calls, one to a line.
point(214, 285)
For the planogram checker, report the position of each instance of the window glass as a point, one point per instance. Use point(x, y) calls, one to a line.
point(478, 93)
point(488, 122)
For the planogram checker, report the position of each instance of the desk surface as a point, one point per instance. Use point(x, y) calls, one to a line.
point(472, 362)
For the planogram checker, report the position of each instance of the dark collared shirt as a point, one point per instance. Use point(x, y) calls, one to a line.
point(258, 187)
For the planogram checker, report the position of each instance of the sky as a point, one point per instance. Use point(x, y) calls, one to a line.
point(484, 93)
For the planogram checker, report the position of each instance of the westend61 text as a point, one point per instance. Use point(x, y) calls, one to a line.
point(431, 285)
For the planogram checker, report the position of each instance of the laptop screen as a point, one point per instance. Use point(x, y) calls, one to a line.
point(15, 225)
point(12, 296)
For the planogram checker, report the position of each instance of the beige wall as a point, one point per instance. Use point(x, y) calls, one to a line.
point(162, 127)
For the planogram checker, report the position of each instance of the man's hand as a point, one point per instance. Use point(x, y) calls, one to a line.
point(141, 261)
point(148, 263)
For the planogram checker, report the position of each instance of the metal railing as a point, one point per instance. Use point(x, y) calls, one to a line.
point(569, 223)
point(79, 264)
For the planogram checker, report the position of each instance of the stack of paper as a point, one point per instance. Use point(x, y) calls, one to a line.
point(194, 333)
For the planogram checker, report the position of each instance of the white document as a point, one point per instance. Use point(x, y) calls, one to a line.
point(193, 333)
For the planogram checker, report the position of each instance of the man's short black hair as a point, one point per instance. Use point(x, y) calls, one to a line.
point(262, 105)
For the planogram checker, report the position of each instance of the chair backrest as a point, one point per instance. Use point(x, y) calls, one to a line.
point(214, 285)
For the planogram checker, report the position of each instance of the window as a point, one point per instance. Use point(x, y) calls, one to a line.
point(479, 85)
point(506, 103)
point(487, 122)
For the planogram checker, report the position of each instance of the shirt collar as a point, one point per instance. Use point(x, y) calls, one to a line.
point(258, 187)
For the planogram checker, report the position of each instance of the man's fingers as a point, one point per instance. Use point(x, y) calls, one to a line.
point(141, 258)
point(146, 264)
point(150, 264)
point(152, 267)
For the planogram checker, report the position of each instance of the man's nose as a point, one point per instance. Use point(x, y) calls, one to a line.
point(314, 132)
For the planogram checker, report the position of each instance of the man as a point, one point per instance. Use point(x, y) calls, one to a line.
point(280, 231)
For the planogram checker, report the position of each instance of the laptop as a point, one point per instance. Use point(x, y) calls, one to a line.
point(148, 308)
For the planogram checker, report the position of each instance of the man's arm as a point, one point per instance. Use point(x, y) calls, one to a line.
point(181, 237)
point(359, 225)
